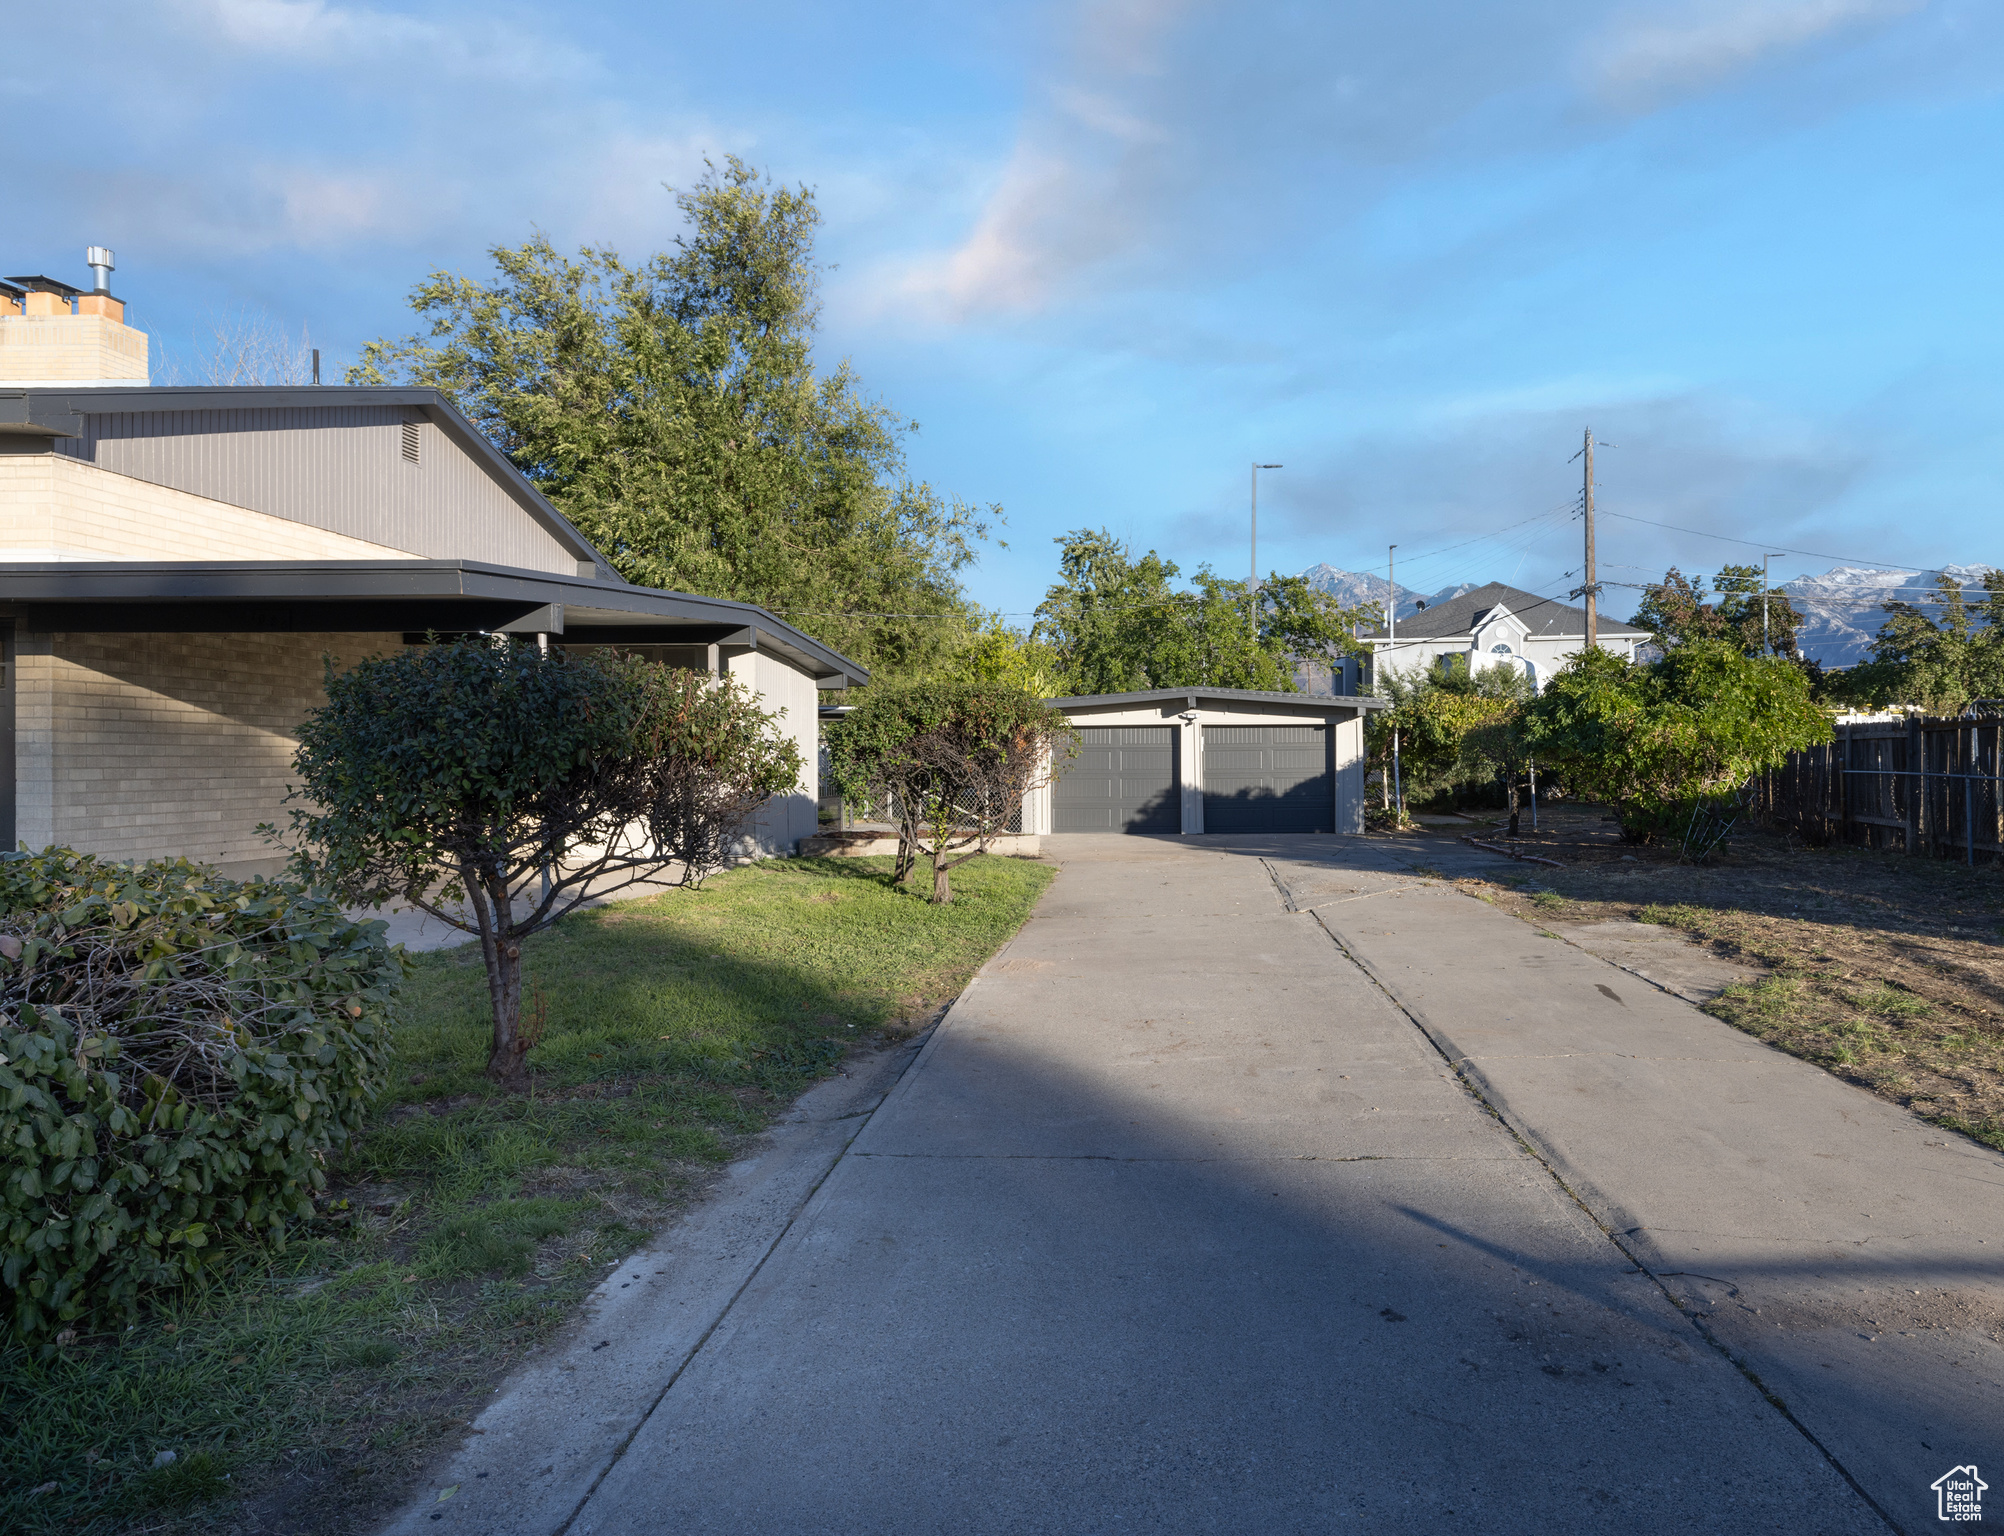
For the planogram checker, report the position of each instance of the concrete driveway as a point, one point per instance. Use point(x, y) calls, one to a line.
point(1267, 1186)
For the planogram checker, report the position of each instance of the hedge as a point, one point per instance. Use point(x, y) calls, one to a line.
point(178, 1054)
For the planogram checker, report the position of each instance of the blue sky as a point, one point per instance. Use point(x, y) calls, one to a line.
point(1108, 254)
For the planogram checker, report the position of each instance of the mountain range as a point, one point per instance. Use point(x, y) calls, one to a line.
point(1841, 609)
point(1356, 589)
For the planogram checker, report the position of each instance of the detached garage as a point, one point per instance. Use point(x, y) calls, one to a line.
point(1209, 760)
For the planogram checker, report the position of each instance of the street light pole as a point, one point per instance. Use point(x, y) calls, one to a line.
point(1765, 645)
point(1392, 645)
point(1252, 580)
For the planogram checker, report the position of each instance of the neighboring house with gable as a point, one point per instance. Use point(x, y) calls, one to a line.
point(175, 563)
point(1493, 626)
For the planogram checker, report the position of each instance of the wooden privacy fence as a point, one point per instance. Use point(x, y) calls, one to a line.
point(1926, 786)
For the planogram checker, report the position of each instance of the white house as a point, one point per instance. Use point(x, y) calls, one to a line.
point(1494, 626)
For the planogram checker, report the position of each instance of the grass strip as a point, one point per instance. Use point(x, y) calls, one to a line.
point(299, 1388)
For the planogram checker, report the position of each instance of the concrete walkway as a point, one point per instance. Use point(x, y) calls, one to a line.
point(1267, 1186)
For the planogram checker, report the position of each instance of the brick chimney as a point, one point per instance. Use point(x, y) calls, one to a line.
point(56, 336)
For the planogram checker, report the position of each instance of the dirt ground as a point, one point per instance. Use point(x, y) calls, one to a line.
point(1885, 970)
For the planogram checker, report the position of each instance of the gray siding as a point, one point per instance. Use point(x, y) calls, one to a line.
point(341, 468)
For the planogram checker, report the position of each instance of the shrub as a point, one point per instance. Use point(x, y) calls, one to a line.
point(1667, 742)
point(178, 1052)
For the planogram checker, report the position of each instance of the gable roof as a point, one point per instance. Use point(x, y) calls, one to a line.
point(1546, 618)
point(248, 445)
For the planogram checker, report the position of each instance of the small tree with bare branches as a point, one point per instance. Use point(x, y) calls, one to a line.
point(952, 760)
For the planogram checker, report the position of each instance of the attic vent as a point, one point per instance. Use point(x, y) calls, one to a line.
point(411, 441)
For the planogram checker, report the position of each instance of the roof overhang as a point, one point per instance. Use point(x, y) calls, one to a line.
point(408, 596)
point(1191, 697)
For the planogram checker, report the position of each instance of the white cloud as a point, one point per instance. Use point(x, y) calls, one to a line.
point(1066, 199)
point(1007, 262)
point(332, 36)
point(1648, 53)
point(318, 210)
point(1163, 137)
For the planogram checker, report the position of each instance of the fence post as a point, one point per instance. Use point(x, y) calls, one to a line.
point(1917, 784)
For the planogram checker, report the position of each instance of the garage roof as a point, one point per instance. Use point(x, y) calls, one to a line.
point(1227, 695)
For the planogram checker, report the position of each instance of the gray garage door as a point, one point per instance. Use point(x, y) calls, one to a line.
point(1123, 780)
point(1269, 778)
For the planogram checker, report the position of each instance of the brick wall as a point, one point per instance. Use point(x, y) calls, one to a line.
point(49, 349)
point(148, 745)
point(55, 508)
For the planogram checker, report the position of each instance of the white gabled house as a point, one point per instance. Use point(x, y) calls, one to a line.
point(1494, 626)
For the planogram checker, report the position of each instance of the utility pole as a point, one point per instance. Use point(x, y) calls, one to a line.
point(1592, 586)
point(1391, 593)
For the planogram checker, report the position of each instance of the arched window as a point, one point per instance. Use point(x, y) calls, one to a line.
point(1499, 649)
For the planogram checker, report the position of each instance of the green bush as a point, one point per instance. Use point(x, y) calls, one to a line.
point(1665, 741)
point(178, 1052)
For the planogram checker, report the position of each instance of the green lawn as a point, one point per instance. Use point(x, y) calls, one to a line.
point(300, 1388)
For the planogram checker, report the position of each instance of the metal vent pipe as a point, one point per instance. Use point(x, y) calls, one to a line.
point(98, 259)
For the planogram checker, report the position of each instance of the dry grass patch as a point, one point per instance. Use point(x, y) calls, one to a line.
point(1886, 970)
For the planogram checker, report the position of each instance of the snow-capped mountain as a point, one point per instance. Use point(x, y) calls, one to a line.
point(1358, 588)
point(1841, 609)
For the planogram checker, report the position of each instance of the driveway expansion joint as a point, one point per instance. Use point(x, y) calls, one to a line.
point(1696, 1321)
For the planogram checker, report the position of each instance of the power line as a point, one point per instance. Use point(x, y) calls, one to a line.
point(1485, 537)
point(1887, 565)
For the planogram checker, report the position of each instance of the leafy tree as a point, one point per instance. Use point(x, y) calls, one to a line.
point(672, 410)
point(999, 654)
point(495, 786)
point(1676, 612)
point(1117, 624)
point(1940, 664)
point(952, 760)
point(1657, 740)
point(1455, 729)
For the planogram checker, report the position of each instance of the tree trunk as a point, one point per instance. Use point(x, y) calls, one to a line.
point(1513, 805)
point(505, 1063)
point(942, 888)
point(502, 951)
